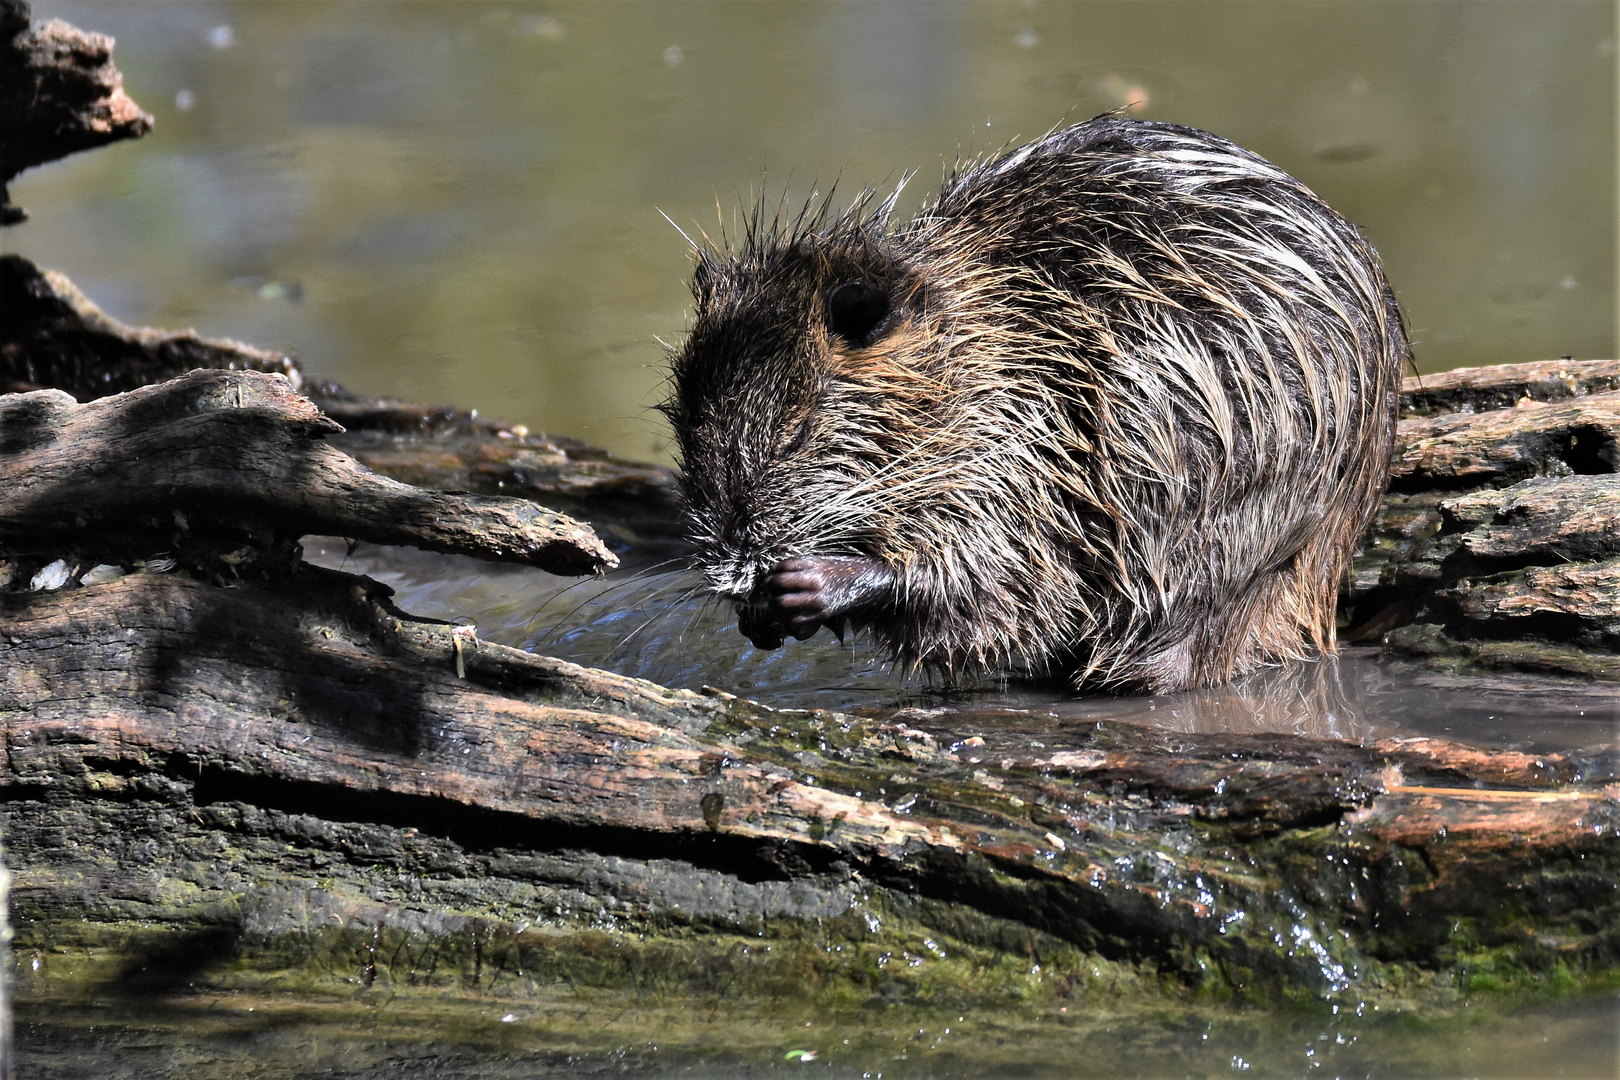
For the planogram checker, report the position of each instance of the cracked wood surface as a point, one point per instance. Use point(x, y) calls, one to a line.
point(220, 448)
point(155, 687)
point(1497, 544)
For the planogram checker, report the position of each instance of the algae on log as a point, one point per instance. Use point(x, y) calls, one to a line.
point(1498, 544)
point(264, 780)
point(293, 784)
point(288, 783)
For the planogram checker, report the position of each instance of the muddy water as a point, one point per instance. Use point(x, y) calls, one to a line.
point(459, 202)
point(655, 625)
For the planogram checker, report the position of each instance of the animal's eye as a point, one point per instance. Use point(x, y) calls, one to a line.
point(856, 310)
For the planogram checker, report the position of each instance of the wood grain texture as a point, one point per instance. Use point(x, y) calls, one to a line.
point(221, 447)
point(317, 694)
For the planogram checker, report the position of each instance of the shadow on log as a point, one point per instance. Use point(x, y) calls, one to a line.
point(1211, 861)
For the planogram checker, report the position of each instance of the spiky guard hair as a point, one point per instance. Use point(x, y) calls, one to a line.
point(1125, 413)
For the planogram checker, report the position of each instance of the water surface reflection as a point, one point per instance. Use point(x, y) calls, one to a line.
point(657, 625)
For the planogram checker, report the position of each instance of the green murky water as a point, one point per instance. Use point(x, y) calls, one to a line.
point(459, 202)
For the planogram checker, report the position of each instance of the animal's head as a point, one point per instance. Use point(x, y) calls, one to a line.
point(775, 403)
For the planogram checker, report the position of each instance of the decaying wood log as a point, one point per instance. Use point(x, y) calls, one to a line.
point(161, 724)
point(59, 94)
point(1502, 386)
point(265, 783)
point(52, 336)
point(1498, 545)
point(447, 449)
point(237, 454)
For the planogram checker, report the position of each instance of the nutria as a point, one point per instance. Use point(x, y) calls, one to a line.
point(1116, 405)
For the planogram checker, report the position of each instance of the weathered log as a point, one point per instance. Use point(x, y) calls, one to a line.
point(237, 454)
point(59, 94)
point(287, 783)
point(1497, 544)
point(451, 450)
point(174, 749)
point(1502, 386)
point(52, 336)
point(246, 784)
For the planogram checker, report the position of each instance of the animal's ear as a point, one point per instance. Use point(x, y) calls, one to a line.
point(856, 311)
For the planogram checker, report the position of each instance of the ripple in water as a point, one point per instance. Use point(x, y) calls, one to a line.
point(656, 624)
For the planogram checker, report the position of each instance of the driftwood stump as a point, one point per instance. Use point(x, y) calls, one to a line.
point(59, 94)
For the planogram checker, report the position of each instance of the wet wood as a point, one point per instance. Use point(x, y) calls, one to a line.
point(315, 693)
point(1503, 386)
point(59, 94)
point(241, 455)
point(53, 337)
point(230, 771)
point(1503, 446)
point(1496, 547)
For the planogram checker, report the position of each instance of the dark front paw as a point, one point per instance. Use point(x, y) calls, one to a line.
point(802, 594)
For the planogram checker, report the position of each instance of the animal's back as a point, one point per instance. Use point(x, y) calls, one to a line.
point(1130, 419)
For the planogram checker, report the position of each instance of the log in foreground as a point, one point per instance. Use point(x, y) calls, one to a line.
point(293, 787)
point(234, 461)
point(261, 787)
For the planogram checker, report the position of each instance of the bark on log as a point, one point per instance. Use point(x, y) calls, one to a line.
point(59, 94)
point(451, 450)
point(229, 786)
point(1497, 544)
point(243, 782)
point(1502, 386)
point(160, 716)
point(236, 455)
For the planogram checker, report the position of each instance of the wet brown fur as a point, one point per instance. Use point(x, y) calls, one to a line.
point(1128, 415)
